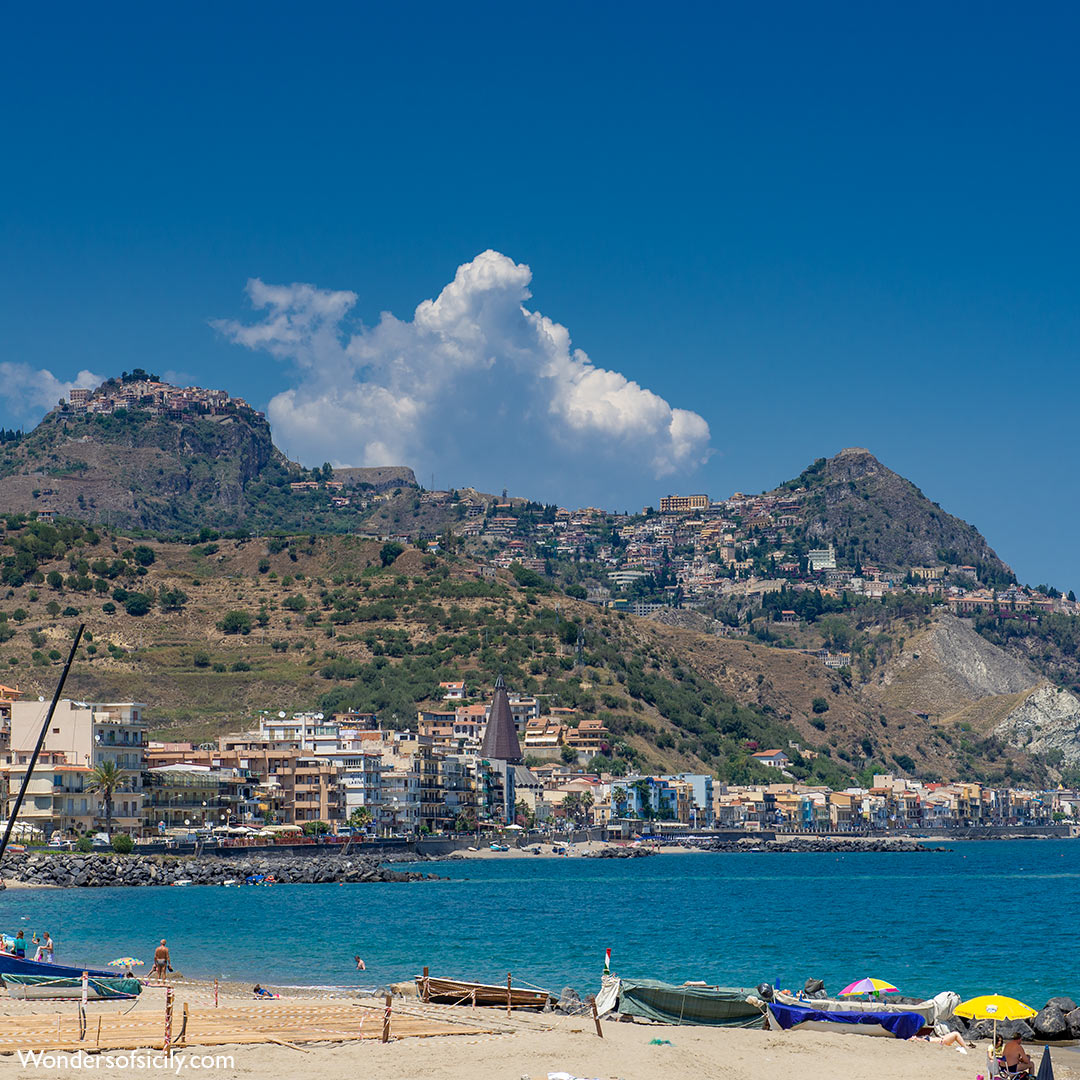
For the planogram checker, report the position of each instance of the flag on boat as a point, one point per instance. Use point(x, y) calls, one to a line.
point(607, 961)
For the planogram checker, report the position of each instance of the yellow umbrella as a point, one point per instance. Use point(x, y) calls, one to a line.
point(994, 1007)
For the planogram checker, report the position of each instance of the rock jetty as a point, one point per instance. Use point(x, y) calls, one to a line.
point(619, 853)
point(68, 869)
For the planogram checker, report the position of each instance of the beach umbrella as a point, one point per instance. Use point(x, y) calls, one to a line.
point(125, 962)
point(1046, 1068)
point(994, 1007)
point(868, 986)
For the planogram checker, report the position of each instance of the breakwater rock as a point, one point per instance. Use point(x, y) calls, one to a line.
point(825, 844)
point(619, 853)
point(1058, 1019)
point(67, 869)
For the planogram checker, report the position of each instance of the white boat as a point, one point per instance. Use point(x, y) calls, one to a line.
point(893, 1020)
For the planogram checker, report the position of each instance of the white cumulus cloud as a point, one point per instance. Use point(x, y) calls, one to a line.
point(30, 391)
point(476, 387)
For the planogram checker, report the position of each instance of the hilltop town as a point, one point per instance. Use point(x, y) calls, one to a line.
point(146, 393)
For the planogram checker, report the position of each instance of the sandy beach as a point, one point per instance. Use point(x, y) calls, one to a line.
point(525, 1045)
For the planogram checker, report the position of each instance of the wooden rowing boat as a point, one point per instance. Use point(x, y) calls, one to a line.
point(461, 992)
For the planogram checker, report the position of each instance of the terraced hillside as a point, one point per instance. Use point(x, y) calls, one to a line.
point(210, 633)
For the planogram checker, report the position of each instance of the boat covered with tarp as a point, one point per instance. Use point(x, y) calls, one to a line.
point(898, 1025)
point(935, 1010)
point(98, 988)
point(686, 1003)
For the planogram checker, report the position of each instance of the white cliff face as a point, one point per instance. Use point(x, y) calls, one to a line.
point(946, 666)
point(1048, 719)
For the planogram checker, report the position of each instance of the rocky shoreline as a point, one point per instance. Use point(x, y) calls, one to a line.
point(77, 870)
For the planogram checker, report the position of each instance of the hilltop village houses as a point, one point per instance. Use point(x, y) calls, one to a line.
point(462, 770)
point(695, 551)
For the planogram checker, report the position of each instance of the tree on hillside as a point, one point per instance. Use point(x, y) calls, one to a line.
point(236, 622)
point(105, 779)
point(389, 553)
point(172, 599)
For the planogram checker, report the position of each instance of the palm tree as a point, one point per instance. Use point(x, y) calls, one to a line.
point(106, 778)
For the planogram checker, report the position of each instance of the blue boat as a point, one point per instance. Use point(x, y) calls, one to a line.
point(13, 965)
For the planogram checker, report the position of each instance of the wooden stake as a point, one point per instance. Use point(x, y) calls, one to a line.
point(97, 1041)
point(596, 1019)
point(182, 1041)
point(168, 1019)
point(508, 996)
point(386, 1019)
point(215, 993)
point(427, 988)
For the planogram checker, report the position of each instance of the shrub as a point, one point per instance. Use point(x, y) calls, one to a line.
point(123, 844)
point(241, 665)
point(819, 705)
point(109, 608)
point(200, 660)
point(137, 604)
point(264, 565)
point(84, 844)
point(143, 555)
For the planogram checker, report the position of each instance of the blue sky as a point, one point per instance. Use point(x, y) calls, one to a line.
point(810, 226)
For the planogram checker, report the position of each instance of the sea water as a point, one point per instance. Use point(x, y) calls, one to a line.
point(984, 917)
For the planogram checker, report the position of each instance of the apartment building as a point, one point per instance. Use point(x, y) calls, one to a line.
point(86, 736)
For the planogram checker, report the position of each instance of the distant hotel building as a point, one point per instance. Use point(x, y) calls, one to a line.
point(674, 504)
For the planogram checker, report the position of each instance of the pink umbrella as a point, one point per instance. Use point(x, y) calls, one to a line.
point(868, 986)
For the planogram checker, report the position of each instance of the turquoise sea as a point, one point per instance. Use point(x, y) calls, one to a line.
point(989, 916)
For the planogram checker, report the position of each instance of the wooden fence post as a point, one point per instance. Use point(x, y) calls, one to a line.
point(426, 996)
point(168, 1019)
point(508, 993)
point(386, 1019)
point(596, 1019)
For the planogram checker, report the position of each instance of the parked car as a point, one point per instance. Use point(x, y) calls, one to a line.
point(101, 840)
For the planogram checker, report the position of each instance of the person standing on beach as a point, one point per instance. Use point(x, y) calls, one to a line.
point(162, 962)
point(20, 946)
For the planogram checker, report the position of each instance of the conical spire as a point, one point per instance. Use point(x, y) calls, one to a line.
point(500, 735)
